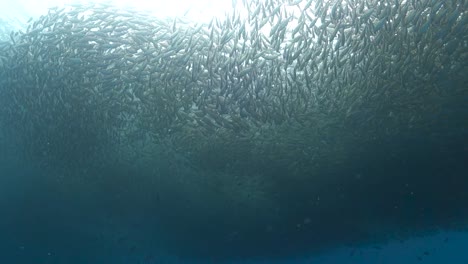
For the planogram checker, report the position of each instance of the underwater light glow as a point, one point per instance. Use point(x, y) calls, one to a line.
point(20, 11)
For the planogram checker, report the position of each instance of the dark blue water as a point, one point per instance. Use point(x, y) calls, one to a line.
point(396, 199)
point(40, 225)
point(47, 219)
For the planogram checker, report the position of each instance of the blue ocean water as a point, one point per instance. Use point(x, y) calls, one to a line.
point(39, 225)
point(117, 215)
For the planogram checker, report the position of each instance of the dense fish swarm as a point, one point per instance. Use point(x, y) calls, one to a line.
point(288, 76)
point(286, 87)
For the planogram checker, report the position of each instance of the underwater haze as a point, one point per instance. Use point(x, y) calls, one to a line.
point(264, 131)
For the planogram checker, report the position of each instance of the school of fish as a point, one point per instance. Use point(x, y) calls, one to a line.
point(286, 82)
